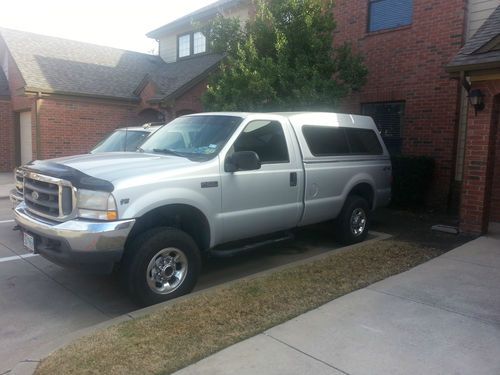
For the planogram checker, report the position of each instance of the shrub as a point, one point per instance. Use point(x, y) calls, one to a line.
point(412, 177)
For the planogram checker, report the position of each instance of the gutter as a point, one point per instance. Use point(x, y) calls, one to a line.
point(472, 67)
point(37, 91)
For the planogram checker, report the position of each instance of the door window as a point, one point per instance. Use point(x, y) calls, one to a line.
point(267, 139)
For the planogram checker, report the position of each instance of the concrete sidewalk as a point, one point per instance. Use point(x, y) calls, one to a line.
point(442, 317)
point(6, 184)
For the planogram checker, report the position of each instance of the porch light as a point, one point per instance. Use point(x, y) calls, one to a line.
point(476, 99)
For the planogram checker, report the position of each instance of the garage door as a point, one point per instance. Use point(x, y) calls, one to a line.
point(25, 137)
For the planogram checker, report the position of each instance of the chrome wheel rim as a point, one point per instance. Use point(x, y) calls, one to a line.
point(358, 221)
point(167, 270)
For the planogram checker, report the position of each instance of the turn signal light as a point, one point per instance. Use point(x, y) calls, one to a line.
point(112, 215)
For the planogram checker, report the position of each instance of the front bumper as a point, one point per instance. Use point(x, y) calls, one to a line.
point(92, 245)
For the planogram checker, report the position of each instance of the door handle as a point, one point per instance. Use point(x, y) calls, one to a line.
point(293, 179)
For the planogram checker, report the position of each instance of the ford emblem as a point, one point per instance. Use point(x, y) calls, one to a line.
point(35, 195)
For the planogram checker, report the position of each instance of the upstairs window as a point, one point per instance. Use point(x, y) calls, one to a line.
point(191, 44)
point(389, 14)
point(199, 43)
point(184, 45)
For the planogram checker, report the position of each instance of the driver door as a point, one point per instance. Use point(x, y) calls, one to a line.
point(266, 200)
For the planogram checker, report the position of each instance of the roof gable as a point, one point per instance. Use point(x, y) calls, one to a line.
point(482, 49)
point(55, 65)
point(205, 12)
point(66, 66)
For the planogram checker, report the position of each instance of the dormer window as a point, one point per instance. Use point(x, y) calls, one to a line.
point(199, 43)
point(185, 45)
point(191, 44)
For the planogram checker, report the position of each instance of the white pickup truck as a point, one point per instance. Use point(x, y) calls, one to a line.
point(205, 180)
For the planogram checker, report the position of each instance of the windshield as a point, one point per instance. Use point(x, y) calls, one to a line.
point(121, 140)
point(193, 136)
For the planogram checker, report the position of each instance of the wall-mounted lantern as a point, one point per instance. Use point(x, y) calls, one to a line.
point(476, 99)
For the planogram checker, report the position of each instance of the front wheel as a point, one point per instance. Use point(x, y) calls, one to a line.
point(352, 223)
point(161, 264)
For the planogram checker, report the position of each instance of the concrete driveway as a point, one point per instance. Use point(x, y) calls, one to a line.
point(442, 317)
point(40, 302)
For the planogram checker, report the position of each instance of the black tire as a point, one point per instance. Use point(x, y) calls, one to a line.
point(343, 229)
point(160, 244)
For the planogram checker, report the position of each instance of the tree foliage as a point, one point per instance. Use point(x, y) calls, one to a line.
point(282, 59)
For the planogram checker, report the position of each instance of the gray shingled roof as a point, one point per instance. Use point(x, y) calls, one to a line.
point(207, 11)
point(171, 78)
point(50, 64)
point(472, 55)
point(4, 85)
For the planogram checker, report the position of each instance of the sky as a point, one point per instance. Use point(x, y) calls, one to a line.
point(115, 23)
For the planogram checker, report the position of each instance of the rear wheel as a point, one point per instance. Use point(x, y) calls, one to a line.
point(161, 264)
point(352, 223)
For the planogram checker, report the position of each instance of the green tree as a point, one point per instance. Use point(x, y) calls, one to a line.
point(282, 59)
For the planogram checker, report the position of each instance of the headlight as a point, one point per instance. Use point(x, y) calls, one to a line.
point(96, 205)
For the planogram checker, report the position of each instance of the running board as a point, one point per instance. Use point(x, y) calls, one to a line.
point(229, 253)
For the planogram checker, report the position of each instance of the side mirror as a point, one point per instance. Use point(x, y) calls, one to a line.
point(242, 161)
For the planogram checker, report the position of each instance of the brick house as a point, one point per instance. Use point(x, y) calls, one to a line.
point(408, 92)
point(415, 91)
point(419, 107)
point(477, 68)
point(60, 97)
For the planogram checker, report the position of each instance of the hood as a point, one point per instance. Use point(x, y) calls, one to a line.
point(103, 171)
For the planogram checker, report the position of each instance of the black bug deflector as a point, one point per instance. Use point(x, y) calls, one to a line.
point(77, 178)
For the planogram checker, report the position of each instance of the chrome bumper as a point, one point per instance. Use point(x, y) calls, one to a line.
point(75, 242)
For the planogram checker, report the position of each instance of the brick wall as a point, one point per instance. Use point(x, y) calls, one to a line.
point(7, 139)
point(479, 165)
point(19, 103)
point(191, 100)
point(407, 64)
point(74, 126)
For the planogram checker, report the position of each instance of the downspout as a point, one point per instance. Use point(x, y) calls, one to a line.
point(462, 127)
point(37, 127)
point(460, 143)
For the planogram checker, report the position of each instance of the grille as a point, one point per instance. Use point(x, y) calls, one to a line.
point(19, 181)
point(47, 196)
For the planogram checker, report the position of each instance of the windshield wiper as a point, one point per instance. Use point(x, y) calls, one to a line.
point(167, 151)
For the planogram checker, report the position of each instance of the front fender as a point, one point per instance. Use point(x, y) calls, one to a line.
point(169, 196)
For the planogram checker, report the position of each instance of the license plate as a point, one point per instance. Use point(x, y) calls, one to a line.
point(29, 242)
